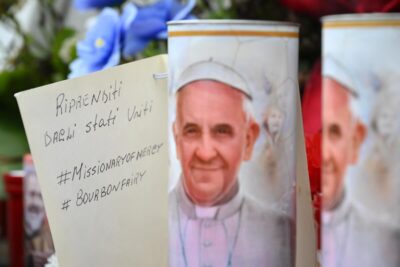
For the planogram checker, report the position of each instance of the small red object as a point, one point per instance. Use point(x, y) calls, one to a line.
point(15, 232)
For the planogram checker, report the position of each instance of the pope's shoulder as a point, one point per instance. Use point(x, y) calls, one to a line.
point(263, 212)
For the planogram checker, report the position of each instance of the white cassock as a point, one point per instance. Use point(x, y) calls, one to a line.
point(350, 239)
point(239, 233)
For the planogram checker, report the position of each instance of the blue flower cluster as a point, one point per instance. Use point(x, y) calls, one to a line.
point(114, 36)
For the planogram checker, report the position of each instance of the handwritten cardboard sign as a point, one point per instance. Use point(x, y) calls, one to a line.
point(100, 148)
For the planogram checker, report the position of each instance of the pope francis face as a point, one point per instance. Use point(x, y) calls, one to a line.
point(274, 120)
point(213, 135)
point(342, 137)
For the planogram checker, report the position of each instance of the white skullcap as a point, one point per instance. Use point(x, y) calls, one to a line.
point(361, 83)
point(212, 70)
point(333, 69)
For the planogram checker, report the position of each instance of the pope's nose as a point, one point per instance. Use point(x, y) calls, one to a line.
point(206, 150)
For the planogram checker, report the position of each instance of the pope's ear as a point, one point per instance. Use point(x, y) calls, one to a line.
point(359, 135)
point(252, 134)
point(175, 132)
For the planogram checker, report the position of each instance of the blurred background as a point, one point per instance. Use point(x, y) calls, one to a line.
point(45, 41)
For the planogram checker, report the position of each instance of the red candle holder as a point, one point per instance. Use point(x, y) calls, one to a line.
point(15, 232)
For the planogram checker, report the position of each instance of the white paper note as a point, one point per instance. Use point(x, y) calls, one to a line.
point(100, 148)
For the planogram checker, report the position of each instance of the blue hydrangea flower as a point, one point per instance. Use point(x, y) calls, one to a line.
point(88, 4)
point(101, 47)
point(150, 22)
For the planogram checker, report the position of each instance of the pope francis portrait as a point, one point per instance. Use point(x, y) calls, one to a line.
point(212, 221)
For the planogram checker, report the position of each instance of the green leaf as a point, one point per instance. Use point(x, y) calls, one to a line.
point(150, 50)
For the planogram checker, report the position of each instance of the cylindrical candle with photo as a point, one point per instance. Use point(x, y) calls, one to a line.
point(38, 240)
point(361, 141)
point(233, 118)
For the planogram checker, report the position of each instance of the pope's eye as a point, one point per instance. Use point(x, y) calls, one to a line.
point(191, 130)
point(334, 132)
point(223, 130)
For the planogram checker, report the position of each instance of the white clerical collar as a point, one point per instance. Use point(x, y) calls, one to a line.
point(215, 212)
point(206, 212)
point(339, 214)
